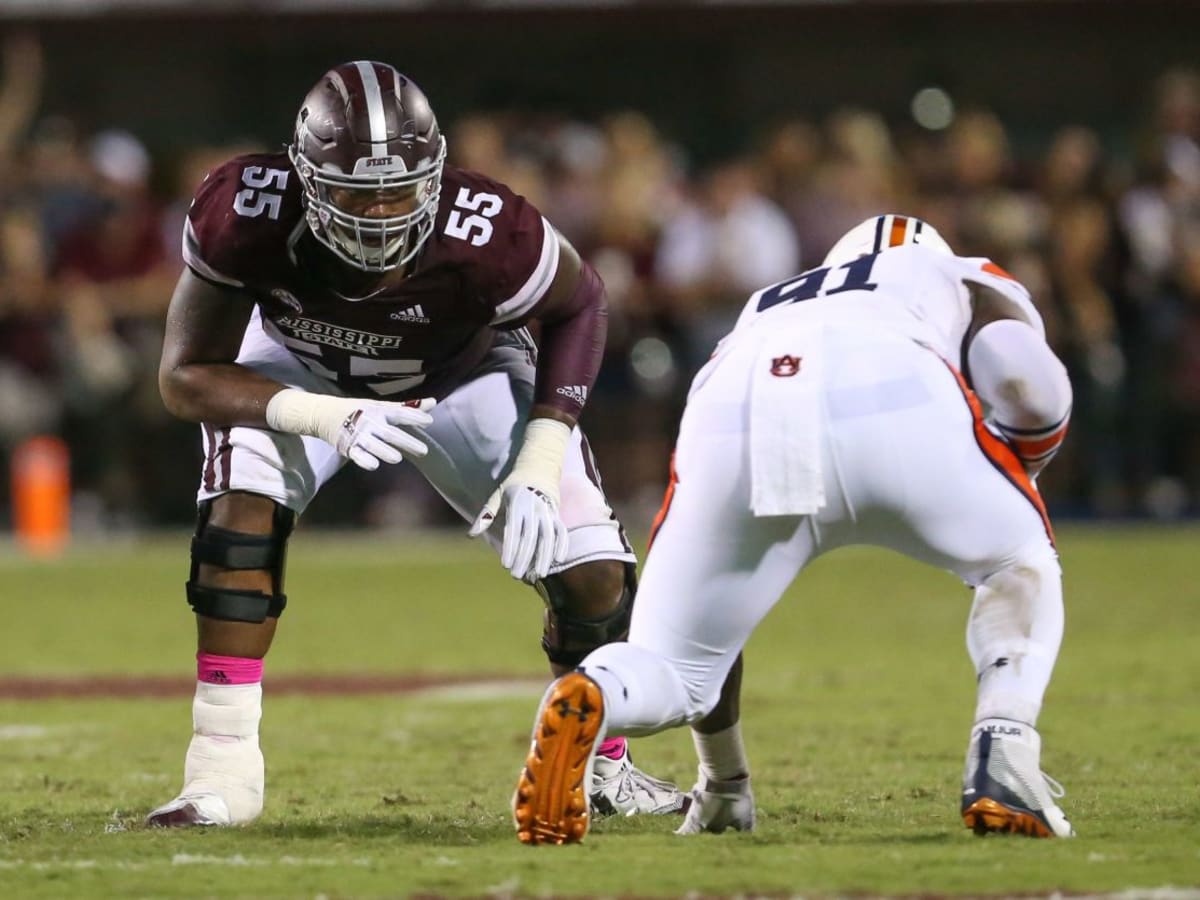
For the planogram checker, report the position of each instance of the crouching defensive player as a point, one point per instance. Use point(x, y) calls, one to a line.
point(900, 396)
point(357, 298)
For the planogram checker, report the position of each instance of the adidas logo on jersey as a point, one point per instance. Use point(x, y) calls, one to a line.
point(412, 314)
point(576, 392)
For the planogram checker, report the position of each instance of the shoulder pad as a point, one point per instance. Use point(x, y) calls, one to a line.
point(508, 253)
point(982, 271)
point(243, 214)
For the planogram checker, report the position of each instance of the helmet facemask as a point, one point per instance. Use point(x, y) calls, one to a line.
point(371, 243)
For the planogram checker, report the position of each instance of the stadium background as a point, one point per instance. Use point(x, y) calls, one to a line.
point(688, 148)
point(692, 151)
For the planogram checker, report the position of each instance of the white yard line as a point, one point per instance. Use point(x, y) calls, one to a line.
point(23, 732)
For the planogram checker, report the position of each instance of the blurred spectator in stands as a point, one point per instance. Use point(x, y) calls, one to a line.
point(726, 243)
point(859, 177)
point(992, 212)
point(30, 393)
point(577, 154)
point(1085, 291)
point(502, 149)
point(114, 277)
point(30, 398)
point(630, 184)
point(788, 158)
point(1181, 412)
point(1181, 415)
point(21, 76)
point(60, 180)
point(1155, 215)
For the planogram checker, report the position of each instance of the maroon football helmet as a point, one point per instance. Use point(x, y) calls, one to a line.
point(365, 133)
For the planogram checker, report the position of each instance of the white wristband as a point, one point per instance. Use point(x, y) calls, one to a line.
point(317, 415)
point(540, 460)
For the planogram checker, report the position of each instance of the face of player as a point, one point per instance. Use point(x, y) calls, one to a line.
point(381, 204)
point(375, 220)
point(374, 224)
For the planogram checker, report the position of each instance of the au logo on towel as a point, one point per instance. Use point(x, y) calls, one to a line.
point(785, 366)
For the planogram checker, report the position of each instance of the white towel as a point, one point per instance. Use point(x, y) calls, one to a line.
point(785, 422)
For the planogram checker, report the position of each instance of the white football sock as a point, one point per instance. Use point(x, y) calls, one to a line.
point(1013, 635)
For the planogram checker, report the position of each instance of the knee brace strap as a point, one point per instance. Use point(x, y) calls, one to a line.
point(216, 546)
point(234, 606)
point(234, 550)
point(567, 639)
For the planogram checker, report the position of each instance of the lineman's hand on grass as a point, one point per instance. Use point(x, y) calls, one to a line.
point(535, 538)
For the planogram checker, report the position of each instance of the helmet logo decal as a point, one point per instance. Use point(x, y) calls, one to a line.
point(391, 165)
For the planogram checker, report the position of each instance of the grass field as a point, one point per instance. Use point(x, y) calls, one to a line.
point(858, 701)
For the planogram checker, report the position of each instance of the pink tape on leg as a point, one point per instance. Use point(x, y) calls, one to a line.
point(613, 748)
point(214, 669)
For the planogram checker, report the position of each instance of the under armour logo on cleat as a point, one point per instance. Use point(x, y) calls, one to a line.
point(566, 709)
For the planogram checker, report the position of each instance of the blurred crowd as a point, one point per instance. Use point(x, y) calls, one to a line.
point(1103, 228)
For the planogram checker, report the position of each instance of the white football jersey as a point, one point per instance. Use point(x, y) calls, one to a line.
point(921, 293)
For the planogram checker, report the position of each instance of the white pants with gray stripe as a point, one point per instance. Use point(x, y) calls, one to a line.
point(473, 440)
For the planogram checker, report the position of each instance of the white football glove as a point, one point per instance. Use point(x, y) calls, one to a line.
point(367, 432)
point(717, 805)
point(535, 538)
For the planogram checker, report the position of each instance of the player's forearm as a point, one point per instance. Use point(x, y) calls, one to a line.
point(572, 347)
point(217, 393)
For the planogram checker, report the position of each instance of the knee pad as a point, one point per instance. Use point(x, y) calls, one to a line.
point(566, 638)
point(212, 545)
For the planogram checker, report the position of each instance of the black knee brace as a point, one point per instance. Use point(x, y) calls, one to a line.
point(567, 639)
point(217, 546)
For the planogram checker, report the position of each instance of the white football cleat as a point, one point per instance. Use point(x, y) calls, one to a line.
point(1004, 788)
point(717, 805)
point(188, 810)
point(619, 788)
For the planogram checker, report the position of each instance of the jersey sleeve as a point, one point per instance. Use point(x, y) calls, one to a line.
point(521, 305)
point(209, 225)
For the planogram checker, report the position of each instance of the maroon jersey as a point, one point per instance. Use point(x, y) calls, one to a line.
point(489, 262)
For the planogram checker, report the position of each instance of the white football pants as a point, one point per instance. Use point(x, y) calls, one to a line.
point(905, 462)
point(473, 440)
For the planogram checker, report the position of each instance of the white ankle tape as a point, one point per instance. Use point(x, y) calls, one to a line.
point(228, 710)
point(224, 757)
